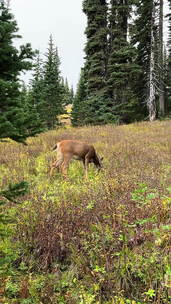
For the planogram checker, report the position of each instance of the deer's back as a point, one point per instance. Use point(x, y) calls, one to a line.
point(76, 148)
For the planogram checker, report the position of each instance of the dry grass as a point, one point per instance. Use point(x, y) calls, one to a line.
point(114, 229)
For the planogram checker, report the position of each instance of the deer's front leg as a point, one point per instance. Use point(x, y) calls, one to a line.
point(55, 165)
point(65, 165)
point(86, 165)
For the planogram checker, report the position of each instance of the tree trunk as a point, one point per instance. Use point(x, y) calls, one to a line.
point(161, 62)
point(151, 102)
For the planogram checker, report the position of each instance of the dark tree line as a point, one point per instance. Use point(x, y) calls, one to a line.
point(125, 77)
point(28, 111)
point(17, 119)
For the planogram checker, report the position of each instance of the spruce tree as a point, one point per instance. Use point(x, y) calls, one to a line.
point(96, 106)
point(122, 69)
point(110, 67)
point(36, 91)
point(78, 109)
point(72, 94)
point(14, 122)
point(149, 41)
point(52, 86)
point(96, 47)
point(68, 93)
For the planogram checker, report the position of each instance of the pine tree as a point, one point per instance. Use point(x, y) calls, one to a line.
point(36, 91)
point(72, 94)
point(68, 93)
point(30, 111)
point(14, 122)
point(96, 47)
point(78, 114)
point(149, 38)
point(110, 67)
point(122, 69)
point(52, 86)
point(36, 83)
point(96, 105)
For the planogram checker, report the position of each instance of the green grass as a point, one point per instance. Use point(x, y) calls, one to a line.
point(102, 240)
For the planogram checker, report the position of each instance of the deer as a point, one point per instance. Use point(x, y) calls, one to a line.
point(75, 149)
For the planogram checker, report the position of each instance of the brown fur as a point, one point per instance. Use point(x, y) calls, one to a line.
point(69, 149)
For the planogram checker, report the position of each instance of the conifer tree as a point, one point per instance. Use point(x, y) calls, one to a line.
point(68, 93)
point(52, 86)
point(72, 94)
point(96, 47)
point(149, 38)
point(122, 69)
point(96, 104)
point(78, 110)
point(37, 84)
point(36, 91)
point(15, 123)
point(110, 66)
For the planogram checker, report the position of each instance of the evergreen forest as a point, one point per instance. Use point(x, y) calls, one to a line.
point(105, 239)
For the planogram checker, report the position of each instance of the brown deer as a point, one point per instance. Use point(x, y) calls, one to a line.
point(74, 149)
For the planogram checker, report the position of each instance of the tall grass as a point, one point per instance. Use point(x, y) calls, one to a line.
point(103, 240)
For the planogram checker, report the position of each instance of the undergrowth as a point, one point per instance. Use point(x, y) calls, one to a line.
point(102, 240)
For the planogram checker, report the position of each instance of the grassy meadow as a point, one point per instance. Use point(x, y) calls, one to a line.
point(102, 240)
